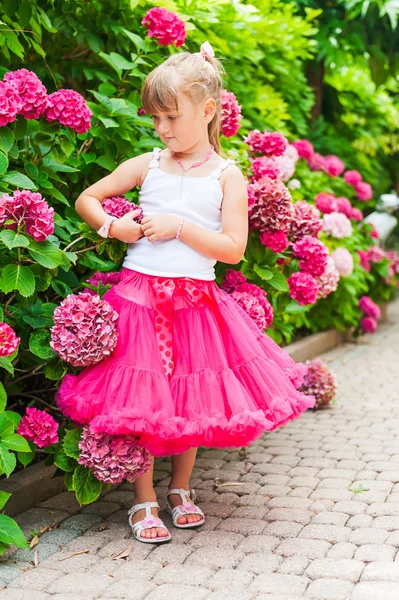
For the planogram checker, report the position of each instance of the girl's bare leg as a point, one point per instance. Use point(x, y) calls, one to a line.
point(182, 466)
point(144, 492)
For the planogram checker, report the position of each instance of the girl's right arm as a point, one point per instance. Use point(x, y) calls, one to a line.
point(125, 177)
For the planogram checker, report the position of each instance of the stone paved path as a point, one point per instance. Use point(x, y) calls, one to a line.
point(317, 516)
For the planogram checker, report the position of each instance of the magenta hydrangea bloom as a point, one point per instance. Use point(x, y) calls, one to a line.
point(364, 191)
point(118, 206)
point(352, 177)
point(277, 241)
point(8, 340)
point(303, 288)
point(271, 143)
point(344, 262)
point(319, 382)
point(165, 26)
point(369, 308)
point(356, 214)
point(10, 103)
point(333, 165)
point(287, 162)
point(231, 279)
point(326, 203)
point(29, 211)
point(364, 260)
point(113, 458)
point(32, 92)
point(313, 255)
point(271, 206)
point(231, 114)
point(337, 225)
point(70, 109)
point(317, 162)
point(328, 282)
point(304, 148)
point(376, 254)
point(368, 325)
point(84, 331)
point(265, 166)
point(305, 221)
point(38, 427)
point(255, 290)
point(254, 308)
point(343, 206)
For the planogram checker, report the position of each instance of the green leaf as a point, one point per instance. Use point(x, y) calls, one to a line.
point(6, 424)
point(108, 122)
point(6, 139)
point(10, 532)
point(3, 398)
point(14, 441)
point(55, 166)
point(71, 441)
point(263, 273)
point(295, 308)
point(279, 281)
point(12, 239)
point(3, 162)
point(63, 461)
point(55, 370)
point(4, 496)
point(87, 487)
point(137, 40)
point(6, 364)
point(17, 277)
point(46, 254)
point(68, 479)
point(8, 460)
point(39, 344)
point(25, 458)
point(19, 180)
point(13, 418)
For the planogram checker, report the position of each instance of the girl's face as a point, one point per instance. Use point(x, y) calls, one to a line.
point(182, 129)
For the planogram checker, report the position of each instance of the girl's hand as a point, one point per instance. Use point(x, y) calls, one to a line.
point(158, 227)
point(126, 229)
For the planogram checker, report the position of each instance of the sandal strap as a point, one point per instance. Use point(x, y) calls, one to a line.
point(146, 505)
point(182, 493)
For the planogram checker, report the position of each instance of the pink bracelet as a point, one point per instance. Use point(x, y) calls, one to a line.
point(179, 229)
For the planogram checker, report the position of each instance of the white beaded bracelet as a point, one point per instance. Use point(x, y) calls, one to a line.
point(179, 229)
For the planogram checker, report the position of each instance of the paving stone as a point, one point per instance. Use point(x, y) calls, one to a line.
point(329, 568)
point(223, 560)
point(216, 539)
point(15, 594)
point(381, 571)
point(64, 562)
point(330, 518)
point(9, 572)
point(289, 502)
point(35, 579)
point(89, 586)
point(66, 501)
point(331, 533)
point(329, 589)
point(38, 518)
point(42, 552)
point(170, 553)
point(231, 595)
point(295, 565)
point(244, 526)
point(125, 499)
point(303, 547)
point(101, 509)
point(81, 522)
point(294, 515)
point(284, 529)
point(285, 584)
point(388, 523)
point(229, 580)
point(360, 521)
point(190, 576)
point(246, 512)
point(128, 589)
point(376, 590)
point(384, 509)
point(258, 543)
point(251, 500)
point(368, 535)
point(260, 563)
point(373, 552)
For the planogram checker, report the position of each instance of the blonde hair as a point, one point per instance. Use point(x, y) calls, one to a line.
point(190, 74)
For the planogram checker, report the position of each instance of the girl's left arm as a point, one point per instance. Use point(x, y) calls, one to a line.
point(228, 246)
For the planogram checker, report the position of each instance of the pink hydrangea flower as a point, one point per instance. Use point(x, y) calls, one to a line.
point(393, 257)
point(255, 290)
point(265, 166)
point(271, 206)
point(278, 241)
point(356, 214)
point(375, 254)
point(352, 177)
point(337, 225)
point(10, 103)
point(328, 282)
point(31, 91)
point(313, 255)
point(70, 109)
point(141, 111)
point(317, 162)
point(271, 143)
point(374, 234)
point(333, 165)
point(105, 278)
point(344, 206)
point(305, 148)
point(231, 114)
point(29, 211)
point(165, 26)
point(38, 427)
point(305, 221)
point(254, 308)
point(231, 279)
point(319, 382)
point(364, 260)
point(113, 458)
point(8, 340)
point(368, 325)
point(364, 191)
point(303, 288)
point(369, 308)
point(287, 162)
point(343, 260)
point(118, 206)
point(326, 203)
point(84, 331)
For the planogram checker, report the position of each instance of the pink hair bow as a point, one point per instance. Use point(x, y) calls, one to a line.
point(207, 51)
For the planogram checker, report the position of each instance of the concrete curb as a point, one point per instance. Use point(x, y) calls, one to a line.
point(35, 484)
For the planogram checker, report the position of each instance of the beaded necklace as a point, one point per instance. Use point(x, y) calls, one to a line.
point(196, 164)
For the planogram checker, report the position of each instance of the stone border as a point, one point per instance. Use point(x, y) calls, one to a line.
point(35, 483)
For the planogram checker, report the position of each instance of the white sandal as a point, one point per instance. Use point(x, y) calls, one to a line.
point(147, 523)
point(184, 509)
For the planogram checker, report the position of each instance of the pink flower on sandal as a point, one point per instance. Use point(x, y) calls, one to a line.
point(151, 522)
point(187, 507)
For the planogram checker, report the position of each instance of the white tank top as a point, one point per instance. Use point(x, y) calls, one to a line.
point(200, 204)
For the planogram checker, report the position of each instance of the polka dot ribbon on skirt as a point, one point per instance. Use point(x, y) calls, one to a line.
point(165, 289)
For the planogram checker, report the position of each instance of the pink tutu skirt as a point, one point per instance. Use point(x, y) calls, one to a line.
point(190, 369)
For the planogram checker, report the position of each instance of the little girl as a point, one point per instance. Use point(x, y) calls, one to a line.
point(190, 368)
